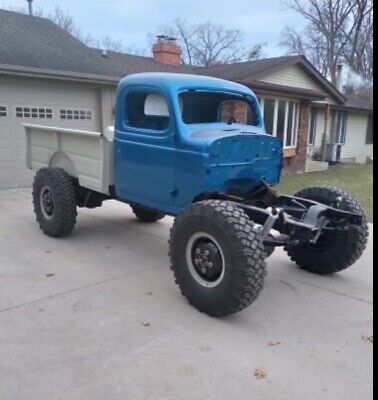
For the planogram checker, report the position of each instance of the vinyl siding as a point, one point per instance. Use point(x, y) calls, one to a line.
point(320, 125)
point(355, 142)
point(292, 76)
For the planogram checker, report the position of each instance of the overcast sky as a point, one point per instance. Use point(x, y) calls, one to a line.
point(131, 20)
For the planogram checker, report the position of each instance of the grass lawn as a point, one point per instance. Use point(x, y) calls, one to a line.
point(355, 179)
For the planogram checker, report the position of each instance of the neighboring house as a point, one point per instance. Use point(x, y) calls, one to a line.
point(48, 77)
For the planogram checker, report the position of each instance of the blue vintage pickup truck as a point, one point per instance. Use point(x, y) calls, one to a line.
point(196, 148)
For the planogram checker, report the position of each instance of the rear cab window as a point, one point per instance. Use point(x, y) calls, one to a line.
point(146, 111)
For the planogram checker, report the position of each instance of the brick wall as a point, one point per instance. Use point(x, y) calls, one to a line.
point(297, 163)
point(236, 109)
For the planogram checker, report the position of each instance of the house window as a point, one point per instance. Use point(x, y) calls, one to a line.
point(312, 128)
point(33, 112)
point(292, 122)
point(3, 111)
point(369, 130)
point(281, 119)
point(75, 114)
point(339, 123)
point(269, 110)
point(281, 114)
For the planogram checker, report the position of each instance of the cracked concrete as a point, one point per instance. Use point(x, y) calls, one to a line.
point(97, 315)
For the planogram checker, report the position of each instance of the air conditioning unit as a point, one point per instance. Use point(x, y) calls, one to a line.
point(331, 155)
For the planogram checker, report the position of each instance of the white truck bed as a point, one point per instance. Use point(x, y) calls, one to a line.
point(85, 155)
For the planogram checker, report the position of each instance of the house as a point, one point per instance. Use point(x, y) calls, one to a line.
point(49, 77)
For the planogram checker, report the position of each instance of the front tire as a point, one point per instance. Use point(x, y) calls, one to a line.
point(217, 258)
point(54, 201)
point(337, 251)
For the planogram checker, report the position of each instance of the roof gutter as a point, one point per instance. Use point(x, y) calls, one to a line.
point(352, 108)
point(15, 70)
point(274, 89)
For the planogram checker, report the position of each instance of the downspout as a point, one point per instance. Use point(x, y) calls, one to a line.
point(325, 133)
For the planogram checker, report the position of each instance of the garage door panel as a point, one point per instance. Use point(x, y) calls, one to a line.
point(5, 132)
point(19, 134)
point(6, 178)
point(23, 176)
point(38, 93)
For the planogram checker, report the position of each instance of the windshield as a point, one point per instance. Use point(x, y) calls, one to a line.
point(200, 107)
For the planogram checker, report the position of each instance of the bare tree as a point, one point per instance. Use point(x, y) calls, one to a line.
point(210, 44)
point(358, 52)
point(337, 31)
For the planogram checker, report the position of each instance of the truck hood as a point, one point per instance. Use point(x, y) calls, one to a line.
point(241, 157)
point(244, 148)
point(237, 143)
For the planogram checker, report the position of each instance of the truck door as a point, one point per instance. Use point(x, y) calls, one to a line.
point(144, 149)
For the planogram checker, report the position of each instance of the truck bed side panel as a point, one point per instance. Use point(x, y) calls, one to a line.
point(83, 154)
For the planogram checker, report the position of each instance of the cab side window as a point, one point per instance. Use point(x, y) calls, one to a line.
point(146, 110)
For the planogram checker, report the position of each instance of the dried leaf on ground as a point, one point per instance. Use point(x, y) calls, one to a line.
point(146, 323)
point(273, 343)
point(260, 373)
point(367, 338)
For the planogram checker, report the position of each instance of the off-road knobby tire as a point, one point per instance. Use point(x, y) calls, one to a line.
point(146, 214)
point(347, 246)
point(244, 255)
point(62, 188)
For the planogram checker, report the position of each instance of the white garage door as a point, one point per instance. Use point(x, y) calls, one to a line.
point(40, 102)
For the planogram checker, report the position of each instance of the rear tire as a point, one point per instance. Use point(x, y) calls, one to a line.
point(232, 276)
point(145, 214)
point(336, 252)
point(54, 201)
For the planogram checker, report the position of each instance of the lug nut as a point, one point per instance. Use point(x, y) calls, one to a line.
point(207, 252)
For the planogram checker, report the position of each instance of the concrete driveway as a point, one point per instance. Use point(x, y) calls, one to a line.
point(97, 315)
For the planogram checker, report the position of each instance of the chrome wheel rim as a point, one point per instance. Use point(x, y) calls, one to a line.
point(205, 259)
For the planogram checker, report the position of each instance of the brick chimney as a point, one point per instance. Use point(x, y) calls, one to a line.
point(166, 50)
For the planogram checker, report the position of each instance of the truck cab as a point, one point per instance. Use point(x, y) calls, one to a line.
point(179, 137)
